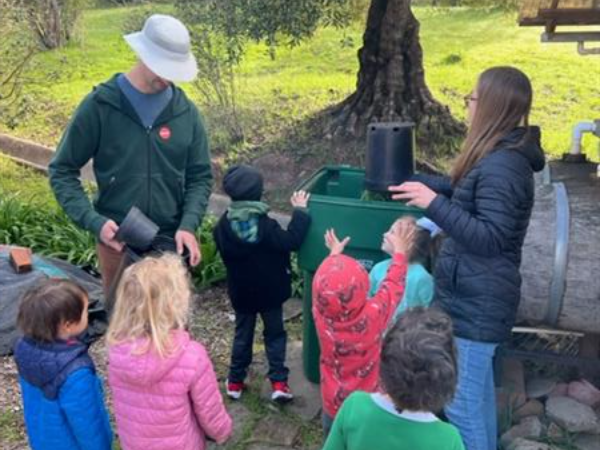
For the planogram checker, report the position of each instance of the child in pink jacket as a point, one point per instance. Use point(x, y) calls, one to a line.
point(350, 326)
point(164, 387)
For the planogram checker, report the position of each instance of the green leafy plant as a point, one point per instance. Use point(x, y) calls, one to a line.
point(297, 279)
point(48, 231)
point(211, 270)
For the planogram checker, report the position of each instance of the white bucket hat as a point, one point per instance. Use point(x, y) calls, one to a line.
point(164, 47)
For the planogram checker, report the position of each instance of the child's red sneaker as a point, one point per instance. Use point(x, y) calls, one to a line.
point(281, 392)
point(234, 390)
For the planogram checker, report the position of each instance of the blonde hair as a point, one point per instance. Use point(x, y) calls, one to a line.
point(152, 300)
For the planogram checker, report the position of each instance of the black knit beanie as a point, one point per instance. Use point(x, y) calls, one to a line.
point(243, 183)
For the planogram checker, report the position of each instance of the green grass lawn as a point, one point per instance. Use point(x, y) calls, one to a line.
point(274, 94)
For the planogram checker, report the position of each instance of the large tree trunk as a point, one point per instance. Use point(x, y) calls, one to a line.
point(391, 81)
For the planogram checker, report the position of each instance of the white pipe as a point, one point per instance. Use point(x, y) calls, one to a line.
point(578, 130)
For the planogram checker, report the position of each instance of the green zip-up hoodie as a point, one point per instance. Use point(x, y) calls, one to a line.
point(164, 170)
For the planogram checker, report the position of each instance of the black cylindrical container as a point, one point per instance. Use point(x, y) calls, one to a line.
point(137, 230)
point(390, 155)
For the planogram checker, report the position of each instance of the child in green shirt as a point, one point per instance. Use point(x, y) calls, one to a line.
point(418, 377)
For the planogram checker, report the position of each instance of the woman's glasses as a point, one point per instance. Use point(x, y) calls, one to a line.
point(468, 99)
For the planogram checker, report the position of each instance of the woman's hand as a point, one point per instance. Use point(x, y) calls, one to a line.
point(415, 193)
point(333, 243)
point(401, 237)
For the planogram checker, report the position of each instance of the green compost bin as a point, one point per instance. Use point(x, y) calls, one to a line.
point(335, 202)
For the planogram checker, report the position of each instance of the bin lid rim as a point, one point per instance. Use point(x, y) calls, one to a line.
point(376, 204)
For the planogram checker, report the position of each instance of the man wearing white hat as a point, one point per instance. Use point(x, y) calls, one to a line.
point(148, 144)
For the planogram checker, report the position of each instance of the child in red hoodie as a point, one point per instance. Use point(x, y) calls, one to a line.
point(350, 327)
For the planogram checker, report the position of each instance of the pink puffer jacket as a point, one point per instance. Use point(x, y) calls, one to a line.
point(166, 403)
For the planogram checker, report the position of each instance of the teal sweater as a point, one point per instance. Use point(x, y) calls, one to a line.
point(369, 421)
point(417, 292)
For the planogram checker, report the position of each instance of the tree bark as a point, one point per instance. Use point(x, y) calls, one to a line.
point(391, 81)
point(47, 22)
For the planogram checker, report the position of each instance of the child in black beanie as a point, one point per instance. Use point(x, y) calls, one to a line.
point(256, 252)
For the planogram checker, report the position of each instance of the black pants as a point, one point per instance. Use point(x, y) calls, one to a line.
point(275, 339)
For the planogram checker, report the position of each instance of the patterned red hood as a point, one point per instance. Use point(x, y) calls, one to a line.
point(341, 287)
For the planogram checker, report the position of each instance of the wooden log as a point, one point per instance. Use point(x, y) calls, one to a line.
point(556, 292)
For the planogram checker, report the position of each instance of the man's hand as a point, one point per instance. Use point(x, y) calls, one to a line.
point(187, 239)
point(107, 235)
point(333, 243)
point(299, 199)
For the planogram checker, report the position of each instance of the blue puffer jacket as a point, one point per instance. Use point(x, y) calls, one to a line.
point(486, 217)
point(62, 397)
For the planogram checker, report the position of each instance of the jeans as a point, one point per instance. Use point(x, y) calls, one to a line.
point(473, 409)
point(327, 422)
point(275, 339)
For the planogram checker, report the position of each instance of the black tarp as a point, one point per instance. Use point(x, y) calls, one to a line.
point(13, 286)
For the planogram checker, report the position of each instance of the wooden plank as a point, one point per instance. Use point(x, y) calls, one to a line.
point(573, 14)
point(562, 17)
point(573, 36)
point(551, 25)
point(530, 8)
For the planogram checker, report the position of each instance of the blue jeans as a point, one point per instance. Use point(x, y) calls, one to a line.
point(327, 422)
point(473, 409)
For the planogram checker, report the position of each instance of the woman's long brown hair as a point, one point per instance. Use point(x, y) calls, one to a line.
point(504, 97)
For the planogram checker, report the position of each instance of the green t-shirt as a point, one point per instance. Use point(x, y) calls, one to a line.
point(370, 422)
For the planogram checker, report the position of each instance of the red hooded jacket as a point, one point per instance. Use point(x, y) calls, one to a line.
point(350, 326)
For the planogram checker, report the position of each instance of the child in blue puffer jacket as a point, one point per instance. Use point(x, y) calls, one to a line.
point(63, 399)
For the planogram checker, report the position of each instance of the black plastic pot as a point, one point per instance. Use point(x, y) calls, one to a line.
point(390, 155)
point(137, 231)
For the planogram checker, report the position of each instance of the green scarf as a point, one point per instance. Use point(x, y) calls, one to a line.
point(243, 210)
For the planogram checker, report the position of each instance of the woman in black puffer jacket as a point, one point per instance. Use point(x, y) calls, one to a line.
point(484, 208)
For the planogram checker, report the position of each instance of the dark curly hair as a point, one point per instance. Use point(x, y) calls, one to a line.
point(418, 361)
point(50, 303)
